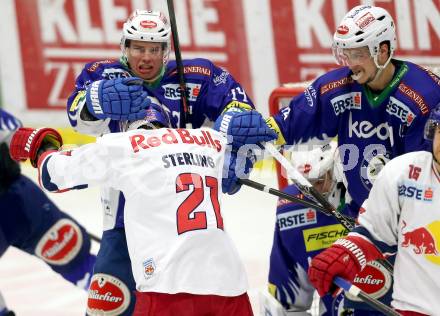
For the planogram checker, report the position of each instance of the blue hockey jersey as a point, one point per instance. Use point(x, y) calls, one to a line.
point(210, 90)
point(371, 128)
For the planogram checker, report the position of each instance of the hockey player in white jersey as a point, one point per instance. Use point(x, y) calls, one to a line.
point(401, 215)
point(183, 262)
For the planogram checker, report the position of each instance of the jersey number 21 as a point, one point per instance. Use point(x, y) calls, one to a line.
point(184, 182)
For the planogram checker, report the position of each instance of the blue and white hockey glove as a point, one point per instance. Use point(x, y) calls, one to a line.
point(238, 165)
point(117, 99)
point(244, 127)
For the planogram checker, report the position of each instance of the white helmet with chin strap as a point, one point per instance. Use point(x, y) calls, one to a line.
point(148, 26)
point(315, 163)
point(319, 164)
point(365, 25)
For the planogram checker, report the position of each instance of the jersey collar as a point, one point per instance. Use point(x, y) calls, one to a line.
point(376, 99)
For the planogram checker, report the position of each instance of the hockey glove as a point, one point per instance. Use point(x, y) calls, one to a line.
point(243, 127)
point(345, 258)
point(237, 165)
point(117, 99)
point(31, 143)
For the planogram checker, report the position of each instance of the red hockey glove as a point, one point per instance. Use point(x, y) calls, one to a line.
point(345, 258)
point(31, 143)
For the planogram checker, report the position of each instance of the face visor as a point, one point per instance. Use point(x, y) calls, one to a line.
point(351, 56)
point(430, 129)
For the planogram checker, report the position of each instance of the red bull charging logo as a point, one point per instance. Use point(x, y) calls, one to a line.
point(423, 240)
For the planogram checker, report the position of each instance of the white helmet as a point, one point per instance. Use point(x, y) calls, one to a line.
point(365, 25)
point(315, 163)
point(148, 26)
point(156, 116)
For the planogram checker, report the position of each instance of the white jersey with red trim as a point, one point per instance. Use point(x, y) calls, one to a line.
point(403, 211)
point(171, 179)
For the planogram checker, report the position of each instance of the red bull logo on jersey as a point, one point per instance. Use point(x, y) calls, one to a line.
point(422, 241)
point(61, 243)
point(108, 296)
point(203, 138)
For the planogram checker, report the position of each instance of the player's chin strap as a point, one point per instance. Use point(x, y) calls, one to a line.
point(308, 190)
point(379, 68)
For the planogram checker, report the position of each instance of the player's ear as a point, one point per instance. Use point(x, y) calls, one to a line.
point(384, 49)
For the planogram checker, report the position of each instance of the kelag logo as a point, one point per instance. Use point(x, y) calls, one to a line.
point(366, 129)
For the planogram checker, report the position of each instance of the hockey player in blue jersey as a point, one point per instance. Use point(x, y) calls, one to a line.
point(110, 92)
point(301, 233)
point(376, 105)
point(32, 223)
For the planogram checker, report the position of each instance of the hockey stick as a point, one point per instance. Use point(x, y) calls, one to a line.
point(308, 190)
point(184, 109)
point(94, 237)
point(287, 196)
point(355, 291)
